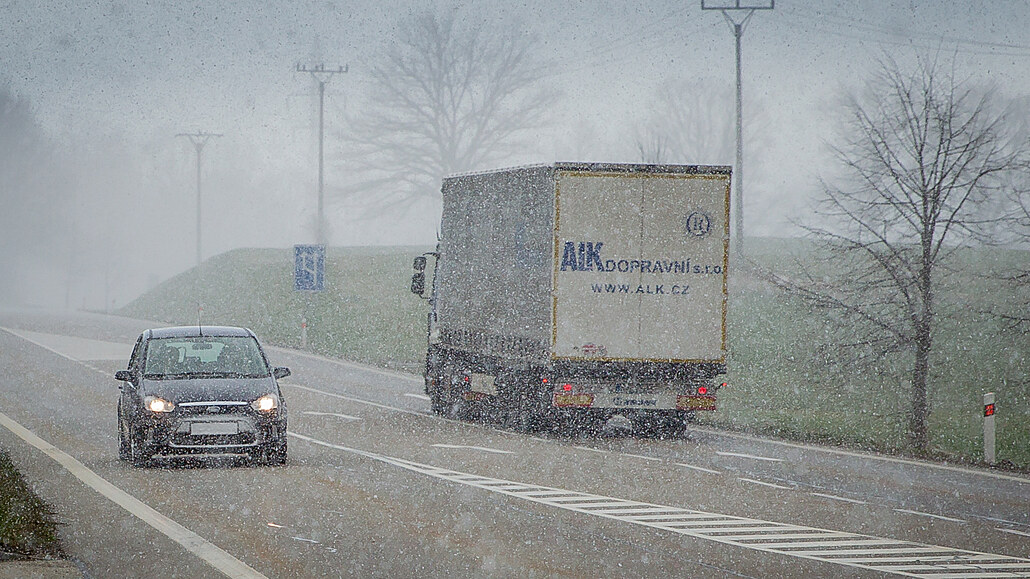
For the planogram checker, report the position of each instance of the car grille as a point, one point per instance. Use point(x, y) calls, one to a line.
point(213, 425)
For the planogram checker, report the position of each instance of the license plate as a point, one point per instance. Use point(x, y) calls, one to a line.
point(207, 428)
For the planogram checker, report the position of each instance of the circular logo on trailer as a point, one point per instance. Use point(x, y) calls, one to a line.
point(698, 224)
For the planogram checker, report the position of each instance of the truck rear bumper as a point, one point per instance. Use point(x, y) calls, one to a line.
point(636, 401)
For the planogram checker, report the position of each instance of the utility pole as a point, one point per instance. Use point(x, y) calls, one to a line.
point(748, 7)
point(199, 139)
point(322, 75)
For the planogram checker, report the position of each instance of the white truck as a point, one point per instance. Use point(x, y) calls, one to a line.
point(568, 292)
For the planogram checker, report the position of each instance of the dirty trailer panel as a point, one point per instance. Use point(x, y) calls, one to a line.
point(640, 266)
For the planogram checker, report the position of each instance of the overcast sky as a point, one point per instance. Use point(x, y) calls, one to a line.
point(147, 70)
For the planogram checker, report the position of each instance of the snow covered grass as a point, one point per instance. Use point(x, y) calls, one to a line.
point(780, 379)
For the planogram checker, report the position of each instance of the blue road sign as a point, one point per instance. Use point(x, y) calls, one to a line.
point(309, 268)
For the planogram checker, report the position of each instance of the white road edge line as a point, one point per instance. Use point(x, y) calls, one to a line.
point(207, 551)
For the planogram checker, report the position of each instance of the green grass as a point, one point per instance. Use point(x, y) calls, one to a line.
point(366, 312)
point(780, 383)
point(27, 526)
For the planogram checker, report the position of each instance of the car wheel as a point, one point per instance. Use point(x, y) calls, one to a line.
point(275, 453)
point(124, 447)
point(139, 452)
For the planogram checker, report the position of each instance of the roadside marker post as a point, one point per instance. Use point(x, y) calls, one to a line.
point(989, 427)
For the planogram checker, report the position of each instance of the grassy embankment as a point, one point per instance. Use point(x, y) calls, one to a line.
point(27, 526)
point(779, 384)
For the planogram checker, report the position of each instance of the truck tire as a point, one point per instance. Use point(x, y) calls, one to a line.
point(438, 401)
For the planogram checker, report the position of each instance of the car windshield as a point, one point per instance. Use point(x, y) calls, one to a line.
point(214, 356)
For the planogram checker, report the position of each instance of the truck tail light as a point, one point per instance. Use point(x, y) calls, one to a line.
point(702, 390)
point(567, 387)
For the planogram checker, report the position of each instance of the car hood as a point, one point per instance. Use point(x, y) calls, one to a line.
point(183, 390)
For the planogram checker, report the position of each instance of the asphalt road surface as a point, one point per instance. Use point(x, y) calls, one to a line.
point(377, 486)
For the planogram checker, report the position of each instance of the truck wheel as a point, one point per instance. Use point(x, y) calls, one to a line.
point(438, 403)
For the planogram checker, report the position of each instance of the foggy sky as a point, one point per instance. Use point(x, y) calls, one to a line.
point(142, 72)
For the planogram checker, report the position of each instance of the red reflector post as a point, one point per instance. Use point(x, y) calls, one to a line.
point(988, 409)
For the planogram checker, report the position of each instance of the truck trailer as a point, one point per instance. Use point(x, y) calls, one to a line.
point(569, 293)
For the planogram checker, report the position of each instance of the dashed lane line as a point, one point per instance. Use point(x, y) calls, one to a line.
point(764, 484)
point(207, 551)
point(847, 549)
point(751, 456)
point(836, 498)
point(479, 448)
point(931, 515)
point(700, 468)
point(710, 430)
point(335, 414)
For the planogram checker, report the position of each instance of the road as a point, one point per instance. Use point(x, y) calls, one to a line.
point(378, 486)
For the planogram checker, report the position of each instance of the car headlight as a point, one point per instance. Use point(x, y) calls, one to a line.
point(155, 404)
point(267, 403)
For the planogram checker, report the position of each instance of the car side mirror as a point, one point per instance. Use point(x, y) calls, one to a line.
point(123, 376)
point(280, 372)
point(418, 283)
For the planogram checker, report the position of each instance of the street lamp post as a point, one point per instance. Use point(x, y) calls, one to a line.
point(199, 139)
point(321, 74)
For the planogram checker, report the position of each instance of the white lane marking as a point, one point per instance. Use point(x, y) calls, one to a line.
point(751, 456)
point(590, 449)
point(765, 484)
point(352, 365)
point(640, 456)
point(1013, 531)
point(352, 399)
point(741, 532)
point(192, 542)
point(75, 348)
point(868, 456)
point(836, 498)
point(346, 416)
point(713, 431)
point(481, 448)
point(700, 468)
point(418, 396)
point(922, 514)
point(302, 539)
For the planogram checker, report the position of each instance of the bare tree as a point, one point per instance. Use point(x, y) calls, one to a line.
point(688, 122)
point(925, 159)
point(450, 95)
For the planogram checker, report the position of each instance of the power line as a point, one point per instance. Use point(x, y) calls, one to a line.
point(898, 36)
